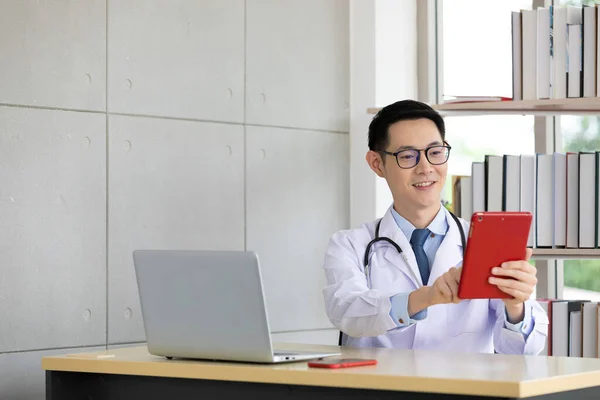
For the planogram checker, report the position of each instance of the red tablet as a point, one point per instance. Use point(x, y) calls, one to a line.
point(494, 238)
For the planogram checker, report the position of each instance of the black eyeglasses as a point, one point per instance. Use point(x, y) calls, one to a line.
point(409, 158)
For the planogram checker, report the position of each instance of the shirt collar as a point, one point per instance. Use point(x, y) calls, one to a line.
point(438, 226)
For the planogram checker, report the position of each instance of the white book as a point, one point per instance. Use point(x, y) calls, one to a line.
point(589, 312)
point(572, 200)
point(589, 51)
point(575, 334)
point(597, 201)
point(544, 207)
point(516, 56)
point(546, 306)
point(511, 200)
point(559, 52)
point(587, 200)
point(527, 192)
point(574, 15)
point(529, 53)
point(575, 322)
point(466, 197)
point(574, 51)
point(559, 182)
point(597, 52)
point(560, 328)
point(598, 332)
point(574, 61)
point(478, 186)
point(543, 53)
point(493, 182)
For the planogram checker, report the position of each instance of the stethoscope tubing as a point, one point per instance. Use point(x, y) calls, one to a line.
point(377, 238)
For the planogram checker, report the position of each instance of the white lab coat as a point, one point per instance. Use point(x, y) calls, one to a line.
point(363, 313)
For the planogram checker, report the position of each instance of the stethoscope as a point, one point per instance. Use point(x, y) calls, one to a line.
point(397, 247)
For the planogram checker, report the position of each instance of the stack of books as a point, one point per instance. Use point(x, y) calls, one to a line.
point(561, 190)
point(573, 329)
point(555, 52)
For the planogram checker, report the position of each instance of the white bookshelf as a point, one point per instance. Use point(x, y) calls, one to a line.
point(565, 254)
point(574, 106)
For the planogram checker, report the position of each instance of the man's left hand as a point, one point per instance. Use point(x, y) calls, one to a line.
point(520, 287)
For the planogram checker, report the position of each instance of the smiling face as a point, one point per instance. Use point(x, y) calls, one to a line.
point(416, 191)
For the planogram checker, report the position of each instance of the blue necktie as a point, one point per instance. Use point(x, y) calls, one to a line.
point(416, 241)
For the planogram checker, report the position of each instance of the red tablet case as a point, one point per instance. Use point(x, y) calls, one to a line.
point(494, 237)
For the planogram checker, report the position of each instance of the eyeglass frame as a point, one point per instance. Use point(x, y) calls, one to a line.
point(425, 150)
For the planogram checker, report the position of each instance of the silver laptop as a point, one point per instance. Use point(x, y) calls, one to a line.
point(206, 305)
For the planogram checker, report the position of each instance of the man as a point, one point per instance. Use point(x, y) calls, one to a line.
point(409, 300)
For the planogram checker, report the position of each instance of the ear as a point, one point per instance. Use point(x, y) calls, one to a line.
point(376, 163)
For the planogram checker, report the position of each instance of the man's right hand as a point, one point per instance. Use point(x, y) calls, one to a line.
point(445, 288)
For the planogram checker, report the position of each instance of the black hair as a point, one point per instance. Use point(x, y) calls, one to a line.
point(402, 110)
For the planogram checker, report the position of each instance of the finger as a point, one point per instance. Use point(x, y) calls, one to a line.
point(519, 265)
point(517, 295)
point(444, 290)
point(513, 285)
point(452, 285)
point(455, 273)
point(519, 275)
point(528, 253)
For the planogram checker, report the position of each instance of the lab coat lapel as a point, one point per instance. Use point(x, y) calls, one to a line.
point(450, 251)
point(390, 229)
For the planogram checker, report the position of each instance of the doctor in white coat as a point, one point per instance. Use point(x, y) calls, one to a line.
point(409, 300)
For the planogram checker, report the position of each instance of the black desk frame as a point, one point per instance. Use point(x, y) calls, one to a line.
point(85, 386)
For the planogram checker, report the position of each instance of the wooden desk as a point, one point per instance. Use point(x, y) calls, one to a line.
point(132, 373)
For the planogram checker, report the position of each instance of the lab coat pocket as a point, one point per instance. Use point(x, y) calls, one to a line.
point(468, 316)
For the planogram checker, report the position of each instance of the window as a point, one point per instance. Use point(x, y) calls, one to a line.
point(477, 47)
point(480, 65)
point(581, 133)
point(477, 61)
point(581, 277)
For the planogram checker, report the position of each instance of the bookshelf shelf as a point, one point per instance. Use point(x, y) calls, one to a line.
point(579, 106)
point(565, 254)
